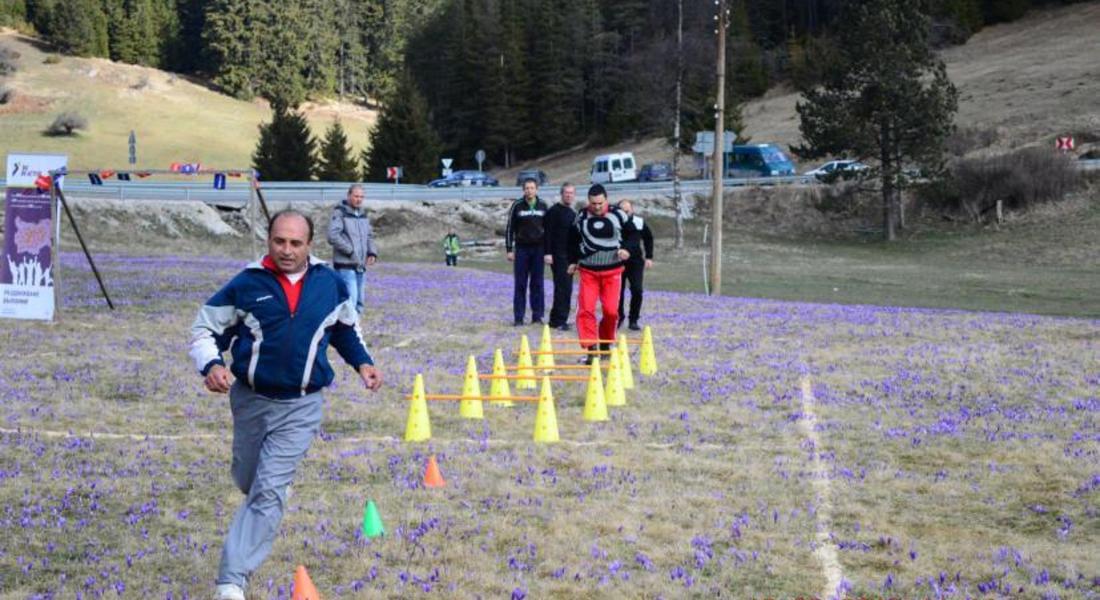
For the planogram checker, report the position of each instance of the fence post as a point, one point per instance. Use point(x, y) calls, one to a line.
point(1000, 212)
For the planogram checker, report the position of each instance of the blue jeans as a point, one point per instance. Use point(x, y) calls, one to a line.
point(353, 281)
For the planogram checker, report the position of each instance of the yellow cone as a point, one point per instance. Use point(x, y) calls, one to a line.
point(647, 364)
point(418, 428)
point(546, 349)
point(471, 409)
point(527, 374)
point(499, 387)
point(546, 420)
point(614, 395)
point(595, 408)
point(624, 363)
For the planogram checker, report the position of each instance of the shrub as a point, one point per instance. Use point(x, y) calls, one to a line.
point(7, 94)
point(52, 59)
point(1021, 179)
point(66, 123)
point(966, 139)
point(7, 61)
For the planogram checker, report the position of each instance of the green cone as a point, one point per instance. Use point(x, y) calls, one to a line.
point(372, 522)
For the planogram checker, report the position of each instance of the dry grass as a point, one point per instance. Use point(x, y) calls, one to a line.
point(175, 119)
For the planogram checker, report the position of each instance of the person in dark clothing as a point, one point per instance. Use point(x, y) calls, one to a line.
point(525, 243)
point(558, 222)
point(634, 239)
point(597, 254)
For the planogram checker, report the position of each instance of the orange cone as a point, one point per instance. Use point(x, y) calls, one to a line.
point(303, 586)
point(432, 477)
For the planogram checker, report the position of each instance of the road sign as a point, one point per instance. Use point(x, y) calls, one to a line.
point(1064, 143)
point(393, 173)
point(447, 172)
point(447, 162)
point(479, 156)
point(133, 148)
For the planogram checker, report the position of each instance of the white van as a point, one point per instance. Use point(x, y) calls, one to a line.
point(613, 168)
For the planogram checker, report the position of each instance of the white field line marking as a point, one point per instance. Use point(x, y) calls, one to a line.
point(825, 550)
point(351, 440)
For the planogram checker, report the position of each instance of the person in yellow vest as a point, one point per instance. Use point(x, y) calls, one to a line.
point(450, 248)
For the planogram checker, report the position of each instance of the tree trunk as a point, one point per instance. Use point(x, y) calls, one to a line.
point(677, 193)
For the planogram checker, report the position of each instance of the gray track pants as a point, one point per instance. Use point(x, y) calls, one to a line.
point(270, 438)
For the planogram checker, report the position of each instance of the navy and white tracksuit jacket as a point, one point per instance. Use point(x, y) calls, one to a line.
point(278, 354)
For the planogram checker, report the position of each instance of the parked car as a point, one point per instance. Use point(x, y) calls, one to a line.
point(834, 169)
point(465, 178)
point(759, 160)
point(658, 171)
point(538, 175)
point(612, 168)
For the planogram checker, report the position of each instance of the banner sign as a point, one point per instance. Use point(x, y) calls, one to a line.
point(26, 269)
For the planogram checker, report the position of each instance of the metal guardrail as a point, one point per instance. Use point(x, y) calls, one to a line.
point(308, 192)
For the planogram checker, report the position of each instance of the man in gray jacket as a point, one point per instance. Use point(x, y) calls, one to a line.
point(352, 240)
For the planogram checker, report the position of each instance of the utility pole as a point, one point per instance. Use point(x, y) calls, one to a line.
point(677, 193)
point(718, 170)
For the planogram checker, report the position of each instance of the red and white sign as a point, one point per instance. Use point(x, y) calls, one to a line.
point(1064, 143)
point(393, 172)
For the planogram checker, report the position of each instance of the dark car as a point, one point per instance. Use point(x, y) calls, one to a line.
point(658, 171)
point(538, 175)
point(467, 178)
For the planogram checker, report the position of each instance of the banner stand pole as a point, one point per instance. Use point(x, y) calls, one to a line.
point(55, 251)
point(83, 246)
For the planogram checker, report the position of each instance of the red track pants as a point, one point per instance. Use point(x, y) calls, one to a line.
point(603, 286)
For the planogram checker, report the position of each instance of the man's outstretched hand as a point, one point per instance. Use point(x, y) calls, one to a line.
point(372, 377)
point(218, 379)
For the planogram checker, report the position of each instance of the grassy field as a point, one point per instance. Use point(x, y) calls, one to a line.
point(782, 450)
point(174, 119)
point(1046, 262)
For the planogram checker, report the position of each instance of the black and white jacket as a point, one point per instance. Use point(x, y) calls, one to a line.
point(594, 241)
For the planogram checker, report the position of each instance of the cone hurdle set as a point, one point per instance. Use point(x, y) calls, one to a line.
point(599, 396)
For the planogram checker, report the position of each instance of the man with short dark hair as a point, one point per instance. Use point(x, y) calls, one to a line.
point(352, 240)
point(559, 222)
point(277, 318)
point(525, 243)
point(639, 242)
point(597, 254)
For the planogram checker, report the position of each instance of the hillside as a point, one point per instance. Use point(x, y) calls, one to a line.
point(175, 119)
point(1030, 81)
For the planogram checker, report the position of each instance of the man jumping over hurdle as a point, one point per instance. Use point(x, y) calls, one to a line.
point(597, 253)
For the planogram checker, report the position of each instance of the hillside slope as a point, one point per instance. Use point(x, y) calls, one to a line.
point(1030, 81)
point(174, 118)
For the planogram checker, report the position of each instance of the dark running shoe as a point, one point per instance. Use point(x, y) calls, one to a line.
point(634, 326)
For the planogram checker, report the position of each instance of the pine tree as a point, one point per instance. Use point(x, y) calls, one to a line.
point(402, 137)
point(886, 98)
point(285, 151)
point(336, 162)
point(232, 34)
point(78, 27)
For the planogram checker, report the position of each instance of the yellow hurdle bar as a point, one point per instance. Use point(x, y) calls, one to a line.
point(551, 377)
point(453, 397)
point(564, 367)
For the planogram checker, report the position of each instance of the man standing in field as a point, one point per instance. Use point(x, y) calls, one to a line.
point(525, 243)
point(277, 318)
point(597, 253)
point(559, 222)
point(637, 237)
point(352, 240)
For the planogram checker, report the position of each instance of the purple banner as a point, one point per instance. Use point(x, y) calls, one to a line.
point(27, 239)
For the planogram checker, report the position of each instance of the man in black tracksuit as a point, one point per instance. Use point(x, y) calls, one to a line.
point(634, 239)
point(558, 223)
point(525, 242)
